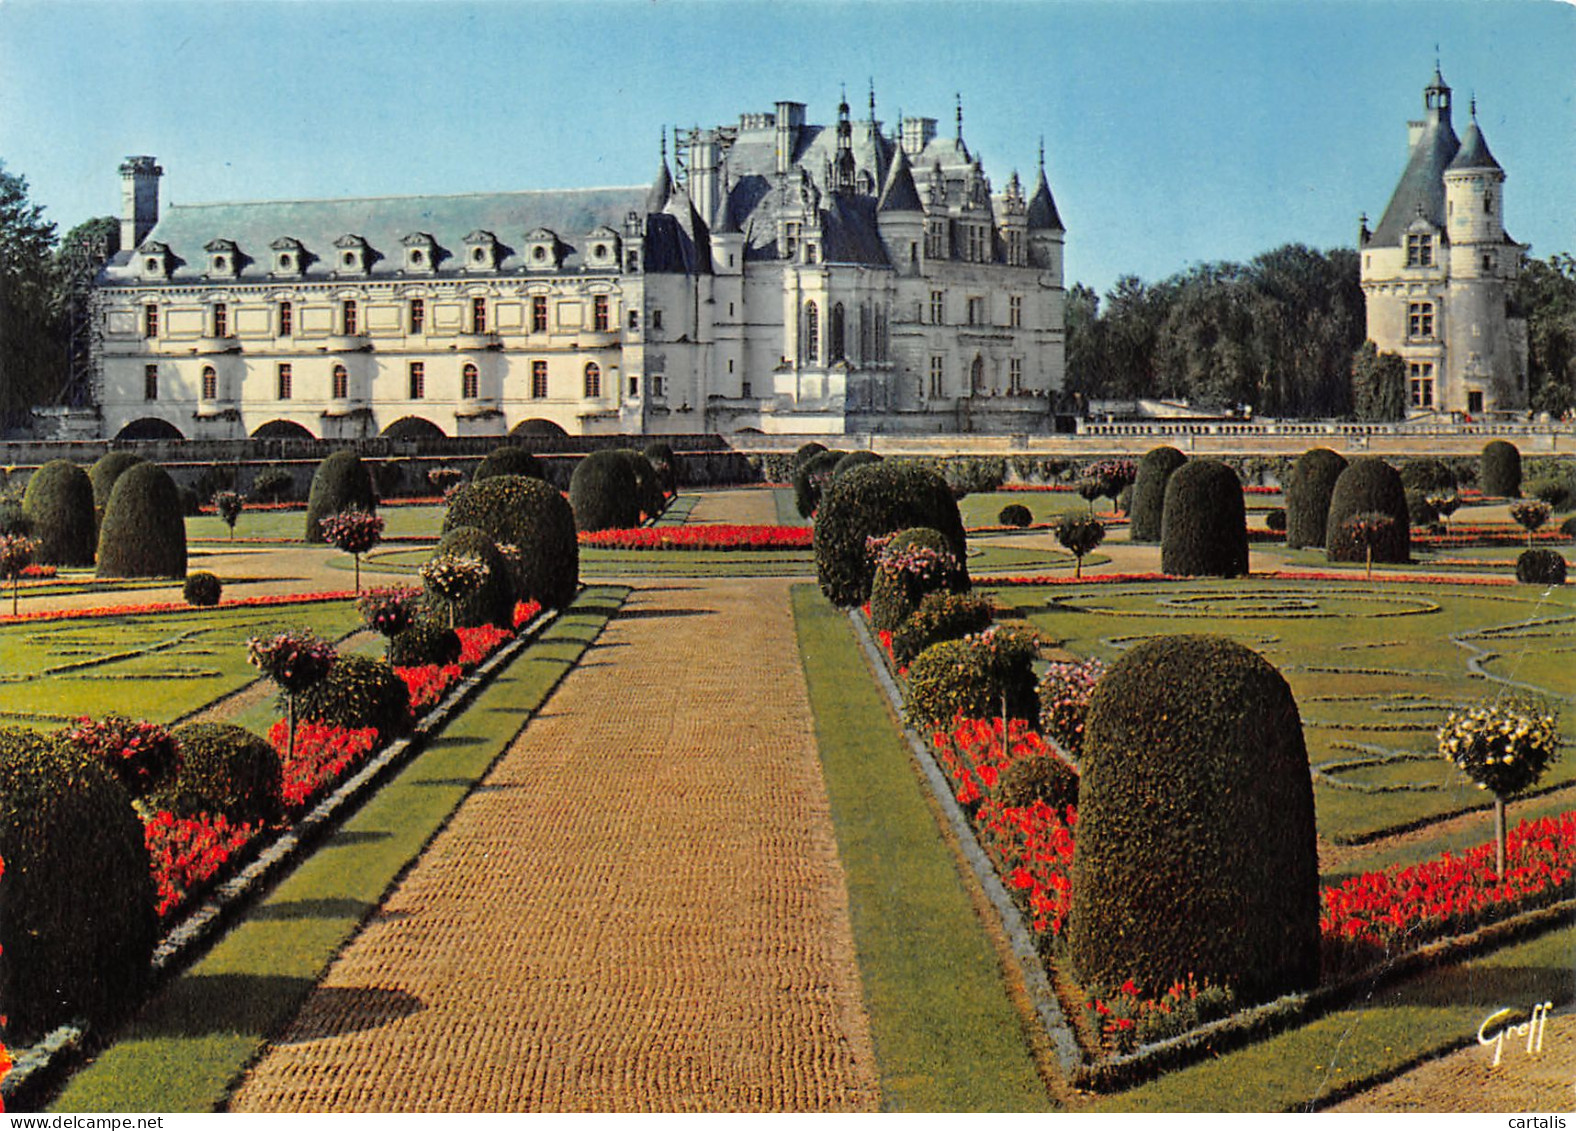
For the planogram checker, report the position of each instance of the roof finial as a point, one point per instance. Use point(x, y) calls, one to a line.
point(872, 98)
point(960, 115)
point(1042, 153)
point(1474, 105)
point(664, 145)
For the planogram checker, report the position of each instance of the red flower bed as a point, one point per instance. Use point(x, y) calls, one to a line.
point(1086, 579)
point(1379, 913)
point(476, 644)
point(323, 754)
point(36, 570)
point(525, 612)
point(1405, 578)
point(179, 606)
point(702, 537)
point(428, 683)
point(1502, 535)
point(186, 853)
point(1032, 847)
point(1056, 487)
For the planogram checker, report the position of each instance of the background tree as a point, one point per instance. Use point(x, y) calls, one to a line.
point(1545, 295)
point(1378, 384)
point(29, 334)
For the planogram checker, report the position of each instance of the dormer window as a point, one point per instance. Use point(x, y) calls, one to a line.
point(1419, 249)
point(421, 252)
point(289, 257)
point(543, 252)
point(602, 249)
point(224, 259)
point(481, 251)
point(353, 256)
point(156, 260)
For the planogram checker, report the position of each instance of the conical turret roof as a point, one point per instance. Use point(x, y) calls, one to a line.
point(899, 193)
point(1042, 207)
point(1474, 153)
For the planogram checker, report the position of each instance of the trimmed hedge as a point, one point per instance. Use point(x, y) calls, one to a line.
point(77, 918)
point(1204, 524)
point(105, 471)
point(202, 589)
point(359, 691)
point(424, 642)
point(810, 479)
point(531, 515)
point(143, 533)
point(1015, 514)
point(511, 459)
point(1540, 567)
point(895, 596)
point(1308, 493)
point(227, 769)
point(1149, 493)
point(876, 500)
point(940, 616)
point(1499, 471)
point(604, 492)
point(493, 603)
point(1368, 485)
point(59, 505)
point(341, 483)
point(1196, 850)
point(666, 463)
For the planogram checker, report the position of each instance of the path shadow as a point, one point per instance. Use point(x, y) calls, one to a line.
point(1489, 987)
point(313, 909)
point(346, 837)
point(198, 1005)
point(652, 614)
point(333, 1011)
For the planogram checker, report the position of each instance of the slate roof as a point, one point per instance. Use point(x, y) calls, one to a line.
point(1042, 214)
point(1422, 185)
point(383, 222)
point(1474, 152)
point(899, 193)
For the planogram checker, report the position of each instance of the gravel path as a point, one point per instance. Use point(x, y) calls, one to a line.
point(641, 908)
point(741, 507)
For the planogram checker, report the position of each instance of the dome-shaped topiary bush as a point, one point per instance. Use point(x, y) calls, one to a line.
point(1039, 777)
point(1368, 486)
point(854, 459)
point(648, 484)
point(359, 691)
point(533, 517)
point(105, 471)
point(802, 455)
point(662, 458)
point(1540, 567)
point(77, 902)
point(810, 479)
point(940, 616)
point(227, 769)
point(341, 483)
point(493, 603)
point(1499, 470)
point(424, 642)
point(1275, 520)
point(511, 459)
point(604, 493)
point(914, 564)
point(59, 505)
point(872, 501)
point(1196, 852)
point(143, 534)
point(202, 589)
point(1308, 493)
point(1204, 524)
point(1149, 493)
point(1015, 514)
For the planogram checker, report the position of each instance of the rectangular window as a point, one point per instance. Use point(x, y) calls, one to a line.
point(347, 317)
point(286, 320)
point(478, 316)
point(1420, 320)
point(283, 375)
point(938, 308)
point(418, 316)
point(150, 382)
point(656, 319)
point(937, 377)
point(1420, 250)
point(221, 320)
point(634, 320)
point(1015, 375)
point(1422, 384)
point(150, 321)
point(1015, 311)
point(656, 384)
point(539, 314)
point(976, 311)
point(599, 312)
point(538, 379)
point(418, 380)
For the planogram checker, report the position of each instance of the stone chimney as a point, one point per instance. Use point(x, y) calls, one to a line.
point(139, 200)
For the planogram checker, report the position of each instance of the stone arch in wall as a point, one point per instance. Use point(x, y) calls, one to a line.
point(413, 428)
point(536, 426)
point(150, 428)
point(282, 430)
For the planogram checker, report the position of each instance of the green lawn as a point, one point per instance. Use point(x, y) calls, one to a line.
point(947, 1036)
point(189, 1046)
point(156, 666)
point(1373, 667)
point(422, 522)
point(1046, 506)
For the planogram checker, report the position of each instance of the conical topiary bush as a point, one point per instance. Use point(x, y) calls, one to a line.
point(144, 533)
point(342, 483)
point(59, 504)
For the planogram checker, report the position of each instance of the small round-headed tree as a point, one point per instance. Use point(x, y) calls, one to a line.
point(59, 504)
point(1530, 514)
point(535, 520)
point(1499, 470)
point(16, 554)
point(1504, 747)
point(1367, 529)
point(490, 603)
point(1149, 493)
point(105, 471)
point(143, 533)
point(510, 459)
point(1079, 535)
point(648, 483)
point(342, 483)
point(604, 493)
point(228, 506)
point(1308, 493)
point(1196, 850)
point(355, 532)
point(872, 501)
point(1368, 486)
point(1204, 524)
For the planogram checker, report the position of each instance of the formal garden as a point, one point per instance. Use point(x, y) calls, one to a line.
point(1227, 751)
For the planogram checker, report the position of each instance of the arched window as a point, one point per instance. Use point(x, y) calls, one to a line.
point(977, 375)
point(593, 379)
point(865, 353)
point(838, 348)
point(210, 384)
point(470, 382)
point(341, 388)
point(812, 332)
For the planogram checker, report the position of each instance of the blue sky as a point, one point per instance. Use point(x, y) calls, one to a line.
point(1175, 132)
